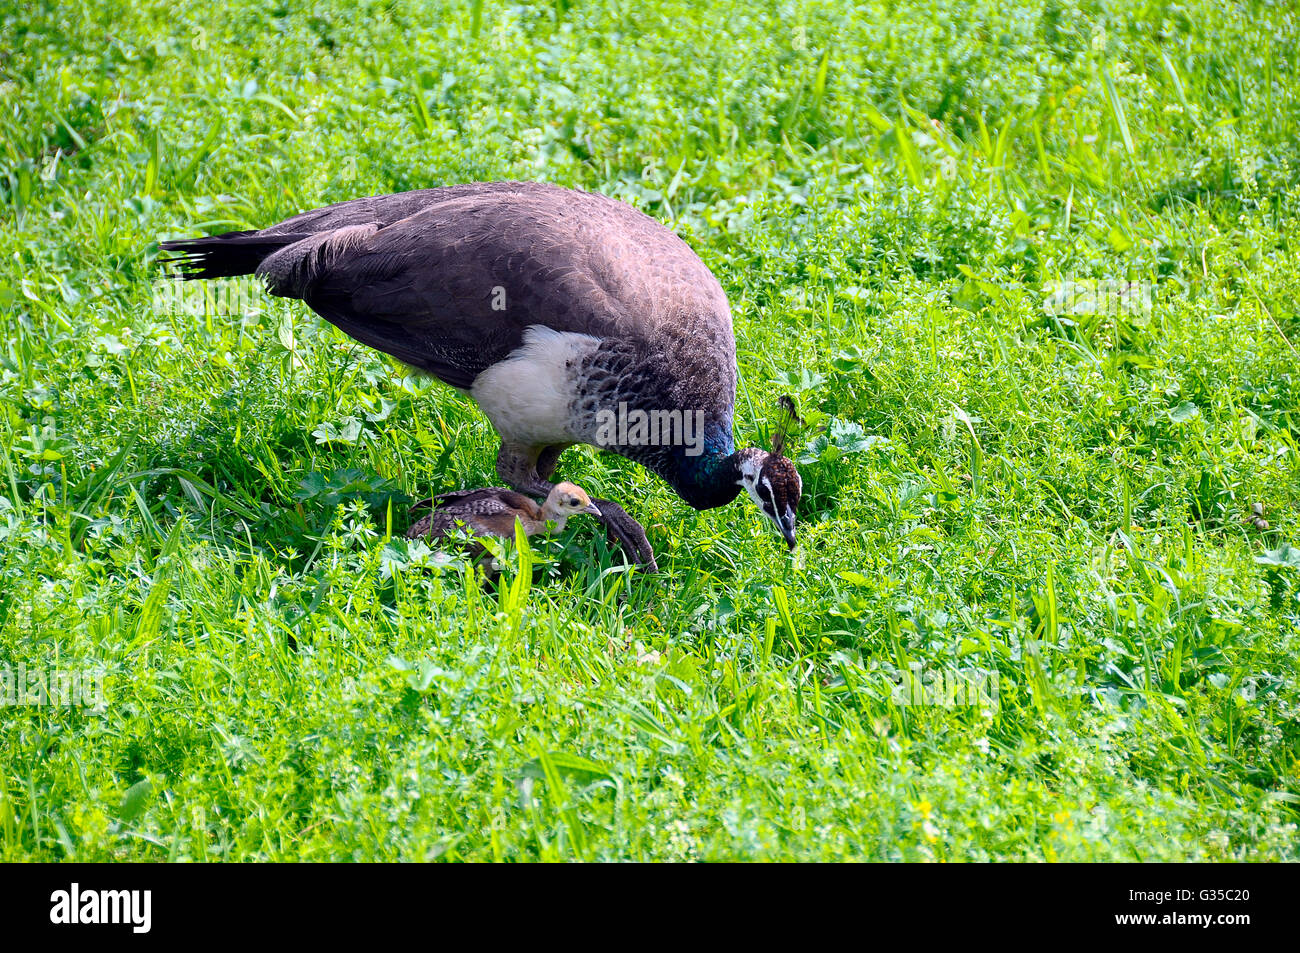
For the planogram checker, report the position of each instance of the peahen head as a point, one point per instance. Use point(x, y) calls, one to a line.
point(773, 483)
point(770, 478)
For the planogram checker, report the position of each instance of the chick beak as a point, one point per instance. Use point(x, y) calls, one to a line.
point(591, 508)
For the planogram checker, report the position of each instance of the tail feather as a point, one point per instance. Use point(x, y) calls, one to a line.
point(225, 256)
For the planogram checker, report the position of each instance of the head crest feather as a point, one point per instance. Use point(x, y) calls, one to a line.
point(788, 419)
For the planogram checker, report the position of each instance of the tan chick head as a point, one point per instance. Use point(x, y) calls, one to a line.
point(567, 499)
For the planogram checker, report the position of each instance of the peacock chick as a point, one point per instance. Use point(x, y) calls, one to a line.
point(494, 510)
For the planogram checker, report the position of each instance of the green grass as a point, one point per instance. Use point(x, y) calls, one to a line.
point(204, 507)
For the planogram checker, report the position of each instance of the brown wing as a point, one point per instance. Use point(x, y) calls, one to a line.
point(490, 511)
point(489, 497)
point(447, 280)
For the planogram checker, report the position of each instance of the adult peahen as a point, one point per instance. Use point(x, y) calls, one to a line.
point(569, 317)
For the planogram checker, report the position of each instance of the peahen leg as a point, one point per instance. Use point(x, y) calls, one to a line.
point(623, 529)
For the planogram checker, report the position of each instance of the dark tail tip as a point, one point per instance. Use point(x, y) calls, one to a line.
point(223, 256)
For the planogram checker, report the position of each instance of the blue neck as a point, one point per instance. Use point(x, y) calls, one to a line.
point(709, 478)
